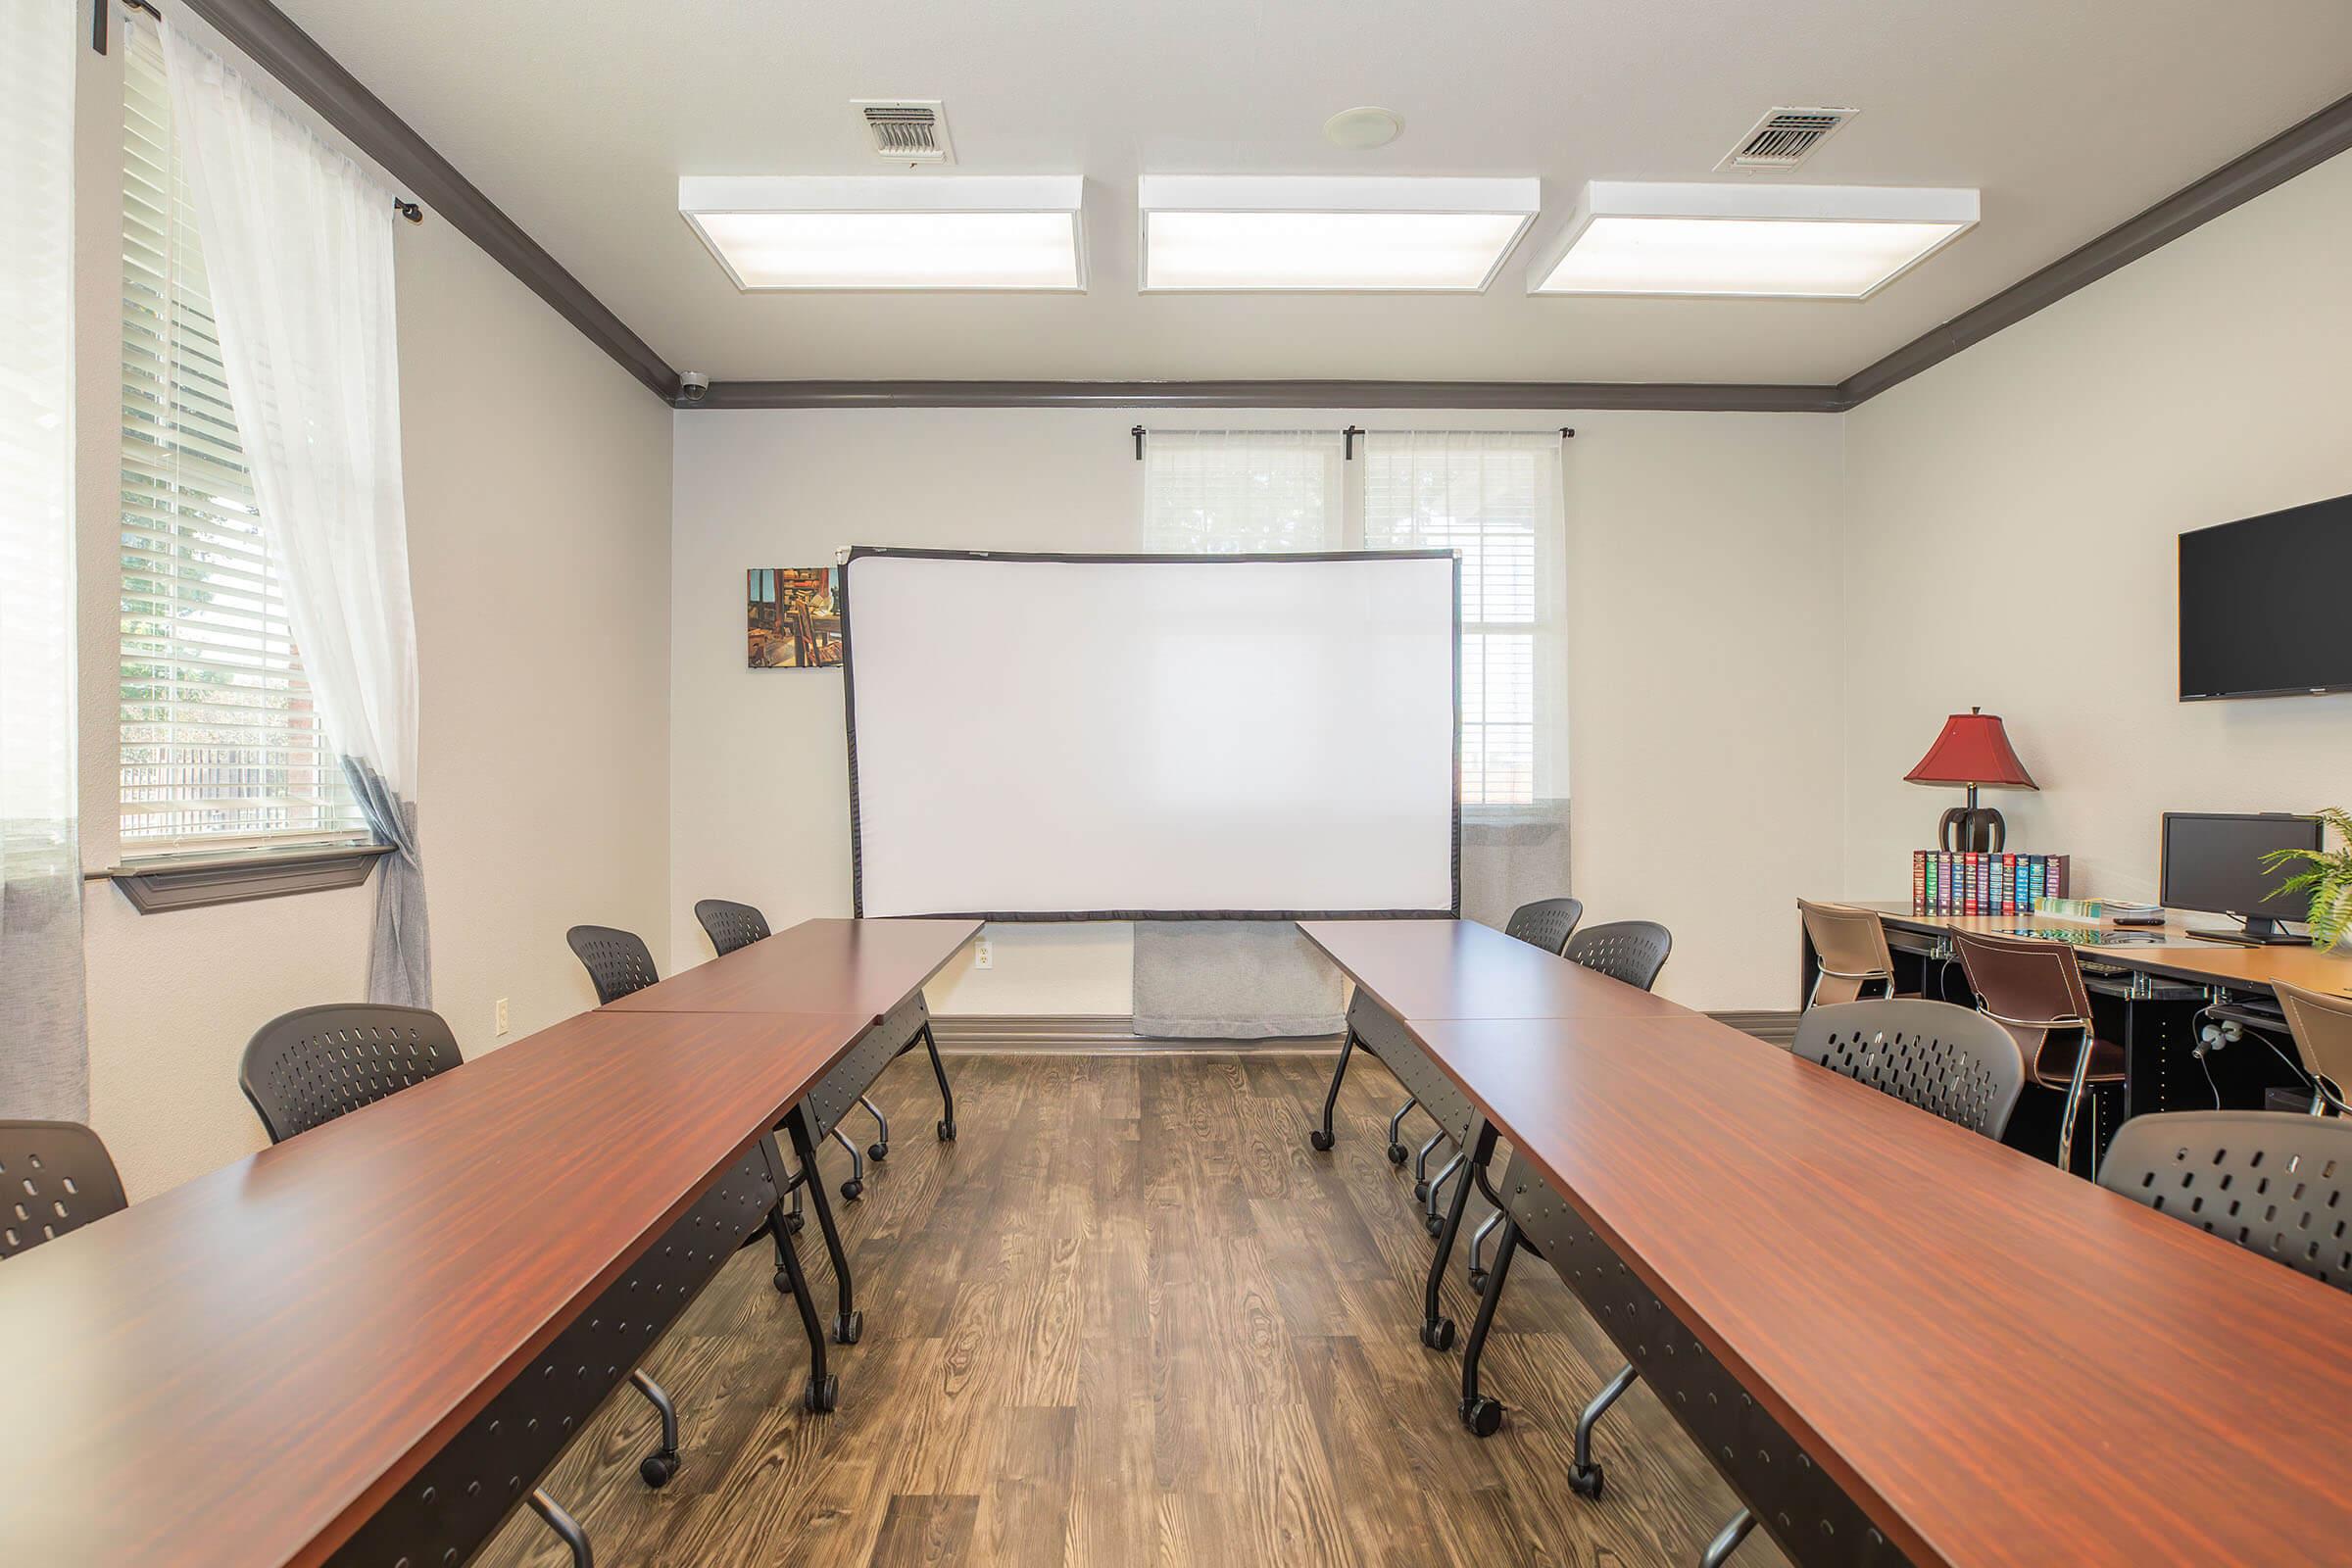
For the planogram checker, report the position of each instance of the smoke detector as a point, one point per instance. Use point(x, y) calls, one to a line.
point(1785, 137)
point(907, 131)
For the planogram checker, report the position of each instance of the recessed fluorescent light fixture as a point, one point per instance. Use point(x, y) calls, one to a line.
point(1337, 234)
point(994, 232)
point(1749, 241)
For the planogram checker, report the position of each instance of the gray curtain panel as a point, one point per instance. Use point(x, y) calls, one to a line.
point(1233, 980)
point(45, 1049)
point(399, 958)
point(1513, 856)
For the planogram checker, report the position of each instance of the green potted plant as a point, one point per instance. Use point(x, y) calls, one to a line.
point(2327, 876)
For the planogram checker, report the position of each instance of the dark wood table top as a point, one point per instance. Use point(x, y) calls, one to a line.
point(857, 966)
point(238, 1372)
point(2000, 1363)
point(1462, 969)
point(2178, 955)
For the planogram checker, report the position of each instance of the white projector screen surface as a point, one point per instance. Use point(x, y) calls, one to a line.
point(1121, 737)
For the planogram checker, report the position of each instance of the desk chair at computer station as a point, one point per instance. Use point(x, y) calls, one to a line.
point(1850, 946)
point(1946, 1060)
point(2271, 1184)
point(2322, 1028)
point(2034, 988)
point(59, 1178)
point(732, 926)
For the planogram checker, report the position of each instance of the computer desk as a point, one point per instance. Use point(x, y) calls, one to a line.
point(2149, 998)
point(1993, 1363)
point(366, 1344)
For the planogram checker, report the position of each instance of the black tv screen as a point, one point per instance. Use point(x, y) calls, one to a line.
point(2262, 605)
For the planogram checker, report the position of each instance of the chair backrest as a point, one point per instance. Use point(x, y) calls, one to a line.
point(730, 925)
point(1545, 923)
point(618, 961)
point(2322, 1026)
point(1851, 946)
point(2277, 1185)
point(2031, 985)
point(1631, 951)
point(1956, 1063)
point(317, 1064)
point(55, 1177)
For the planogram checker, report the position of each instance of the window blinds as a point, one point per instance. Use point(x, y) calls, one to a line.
point(221, 743)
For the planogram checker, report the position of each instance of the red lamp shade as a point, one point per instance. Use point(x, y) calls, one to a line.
point(1973, 750)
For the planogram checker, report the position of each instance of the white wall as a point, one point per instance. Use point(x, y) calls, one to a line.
point(2057, 463)
point(1704, 777)
point(538, 541)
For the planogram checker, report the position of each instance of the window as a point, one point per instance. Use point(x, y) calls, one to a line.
point(223, 745)
point(1493, 496)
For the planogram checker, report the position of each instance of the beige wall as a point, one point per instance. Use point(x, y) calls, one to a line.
point(538, 494)
point(2057, 463)
point(1703, 776)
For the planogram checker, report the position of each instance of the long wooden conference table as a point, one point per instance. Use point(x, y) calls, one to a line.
point(366, 1344)
point(1986, 1360)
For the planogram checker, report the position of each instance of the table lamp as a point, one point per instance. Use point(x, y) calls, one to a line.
point(1973, 750)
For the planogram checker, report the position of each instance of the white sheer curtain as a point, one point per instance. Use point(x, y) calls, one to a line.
point(298, 250)
point(44, 1053)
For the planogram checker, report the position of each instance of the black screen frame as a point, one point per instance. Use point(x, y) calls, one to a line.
point(2190, 602)
point(849, 710)
point(2164, 857)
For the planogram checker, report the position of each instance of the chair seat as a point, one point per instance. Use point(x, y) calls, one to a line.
point(2054, 1063)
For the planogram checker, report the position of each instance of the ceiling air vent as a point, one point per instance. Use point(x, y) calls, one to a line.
point(1785, 137)
point(907, 131)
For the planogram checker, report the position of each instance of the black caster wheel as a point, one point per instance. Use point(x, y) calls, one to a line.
point(656, 1469)
point(1478, 1280)
point(793, 1223)
point(947, 1132)
point(819, 1397)
point(849, 1328)
point(1321, 1141)
point(1434, 1225)
point(1396, 1154)
point(853, 1189)
point(1438, 1333)
point(1483, 1416)
point(783, 1283)
point(1421, 1190)
point(1585, 1479)
point(877, 1152)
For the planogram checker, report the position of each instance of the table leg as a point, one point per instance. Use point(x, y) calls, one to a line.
point(1482, 1414)
point(848, 1322)
point(1321, 1137)
point(946, 1093)
point(1436, 1329)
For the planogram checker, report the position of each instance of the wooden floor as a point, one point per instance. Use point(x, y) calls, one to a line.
point(1131, 1318)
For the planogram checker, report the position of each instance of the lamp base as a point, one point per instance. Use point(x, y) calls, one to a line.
point(1973, 830)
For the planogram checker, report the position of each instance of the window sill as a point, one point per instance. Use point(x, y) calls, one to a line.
point(157, 887)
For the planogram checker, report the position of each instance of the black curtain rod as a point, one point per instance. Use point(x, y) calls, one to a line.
point(98, 9)
point(1346, 436)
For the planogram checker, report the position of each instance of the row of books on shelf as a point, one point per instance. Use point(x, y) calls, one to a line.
point(1983, 882)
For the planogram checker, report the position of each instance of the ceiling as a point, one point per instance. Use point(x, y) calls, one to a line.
point(578, 119)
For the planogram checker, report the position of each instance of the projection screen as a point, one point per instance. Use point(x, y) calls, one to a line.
point(1152, 736)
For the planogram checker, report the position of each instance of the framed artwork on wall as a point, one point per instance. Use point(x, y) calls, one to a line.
point(795, 618)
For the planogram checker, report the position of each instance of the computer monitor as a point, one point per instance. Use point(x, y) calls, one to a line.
point(2212, 862)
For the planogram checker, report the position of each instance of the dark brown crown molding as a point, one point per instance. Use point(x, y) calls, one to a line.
point(2295, 151)
point(274, 43)
point(1551, 395)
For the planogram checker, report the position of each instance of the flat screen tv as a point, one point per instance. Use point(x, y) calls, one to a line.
point(2262, 605)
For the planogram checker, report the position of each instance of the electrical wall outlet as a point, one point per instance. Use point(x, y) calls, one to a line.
point(498, 1022)
point(983, 956)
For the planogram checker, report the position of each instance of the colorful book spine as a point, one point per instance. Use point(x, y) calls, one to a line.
point(1980, 883)
point(1919, 881)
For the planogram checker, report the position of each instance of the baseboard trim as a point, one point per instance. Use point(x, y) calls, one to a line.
point(1112, 1034)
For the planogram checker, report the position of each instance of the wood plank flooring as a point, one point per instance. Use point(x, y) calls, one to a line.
point(1131, 1318)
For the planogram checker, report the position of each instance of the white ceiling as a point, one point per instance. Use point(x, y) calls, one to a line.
point(578, 119)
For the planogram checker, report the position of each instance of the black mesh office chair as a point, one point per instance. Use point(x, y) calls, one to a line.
point(618, 962)
point(1950, 1062)
point(317, 1064)
point(730, 925)
point(2273, 1184)
point(55, 1177)
point(1631, 951)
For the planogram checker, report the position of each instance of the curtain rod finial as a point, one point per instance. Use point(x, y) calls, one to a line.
point(407, 209)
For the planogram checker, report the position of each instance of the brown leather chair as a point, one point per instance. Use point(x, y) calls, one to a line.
point(1850, 945)
point(2322, 1026)
point(2034, 988)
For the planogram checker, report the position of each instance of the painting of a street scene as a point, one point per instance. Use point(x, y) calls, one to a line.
point(795, 618)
